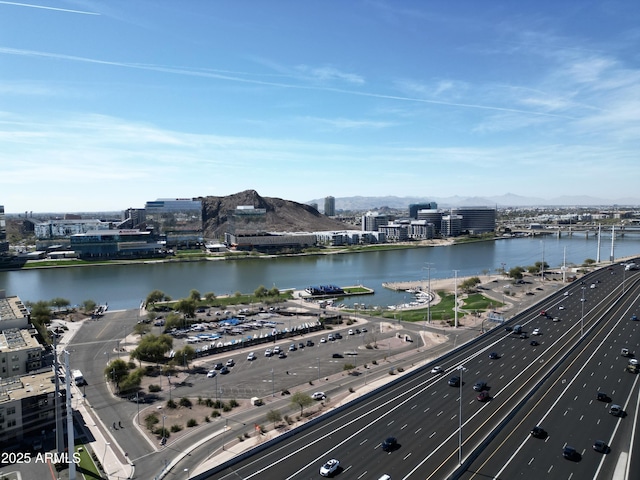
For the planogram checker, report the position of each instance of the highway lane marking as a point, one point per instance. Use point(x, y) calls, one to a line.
point(364, 441)
point(417, 431)
point(432, 435)
point(403, 427)
point(407, 456)
point(531, 461)
point(362, 474)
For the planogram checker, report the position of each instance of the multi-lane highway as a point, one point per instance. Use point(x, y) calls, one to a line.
point(553, 383)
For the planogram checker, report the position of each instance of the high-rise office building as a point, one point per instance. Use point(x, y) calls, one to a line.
point(4, 245)
point(329, 206)
point(415, 207)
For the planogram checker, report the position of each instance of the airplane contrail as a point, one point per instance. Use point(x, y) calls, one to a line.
point(47, 8)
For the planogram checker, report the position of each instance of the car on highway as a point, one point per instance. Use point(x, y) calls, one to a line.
point(570, 453)
point(616, 410)
point(603, 397)
point(251, 356)
point(329, 468)
point(561, 307)
point(534, 343)
point(556, 319)
point(536, 331)
point(600, 446)
point(494, 355)
point(454, 381)
point(437, 369)
point(480, 386)
point(318, 395)
point(566, 294)
point(483, 396)
point(337, 355)
point(389, 444)
point(538, 432)
point(211, 373)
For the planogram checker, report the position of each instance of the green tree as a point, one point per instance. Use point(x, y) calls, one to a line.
point(185, 355)
point(153, 348)
point(187, 307)
point(260, 292)
point(274, 416)
point(589, 262)
point(132, 381)
point(157, 296)
point(470, 284)
point(60, 303)
point(209, 297)
point(89, 306)
point(116, 371)
point(274, 291)
point(302, 400)
point(141, 329)
point(41, 312)
point(516, 273)
point(195, 296)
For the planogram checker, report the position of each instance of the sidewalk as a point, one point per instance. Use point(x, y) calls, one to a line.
point(114, 461)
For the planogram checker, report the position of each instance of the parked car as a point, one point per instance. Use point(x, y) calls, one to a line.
point(337, 355)
point(211, 373)
point(350, 332)
point(268, 352)
point(282, 355)
point(218, 366)
point(292, 347)
point(224, 370)
point(230, 362)
point(310, 343)
point(329, 468)
point(251, 356)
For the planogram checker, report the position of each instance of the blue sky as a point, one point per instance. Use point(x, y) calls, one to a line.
point(105, 105)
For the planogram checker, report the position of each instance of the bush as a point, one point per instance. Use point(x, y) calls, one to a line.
point(215, 413)
point(185, 402)
point(153, 388)
point(233, 403)
point(162, 433)
point(176, 428)
point(207, 419)
point(218, 404)
point(192, 422)
point(226, 408)
point(171, 404)
point(208, 402)
point(151, 420)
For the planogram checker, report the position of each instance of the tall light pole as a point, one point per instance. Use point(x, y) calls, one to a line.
point(461, 370)
point(582, 300)
point(216, 377)
point(318, 370)
point(455, 296)
point(273, 385)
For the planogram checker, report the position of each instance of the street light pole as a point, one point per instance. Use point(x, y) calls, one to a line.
point(273, 385)
point(318, 370)
point(582, 300)
point(461, 370)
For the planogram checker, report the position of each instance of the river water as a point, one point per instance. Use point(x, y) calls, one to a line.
point(126, 286)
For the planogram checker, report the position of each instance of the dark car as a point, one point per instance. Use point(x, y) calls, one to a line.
point(508, 329)
point(480, 386)
point(389, 444)
point(603, 397)
point(600, 446)
point(570, 453)
point(224, 370)
point(301, 345)
point(337, 355)
point(218, 366)
point(534, 343)
point(309, 343)
point(538, 432)
point(494, 355)
point(454, 381)
point(337, 336)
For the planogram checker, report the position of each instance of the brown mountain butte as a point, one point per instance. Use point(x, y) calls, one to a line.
point(281, 215)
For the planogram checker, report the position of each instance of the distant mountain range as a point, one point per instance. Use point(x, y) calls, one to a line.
point(501, 201)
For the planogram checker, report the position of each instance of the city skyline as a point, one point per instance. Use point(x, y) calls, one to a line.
point(116, 103)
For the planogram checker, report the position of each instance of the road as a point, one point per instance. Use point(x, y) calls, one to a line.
point(425, 413)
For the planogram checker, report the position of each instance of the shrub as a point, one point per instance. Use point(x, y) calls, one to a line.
point(226, 408)
point(207, 419)
point(185, 402)
point(218, 404)
point(192, 422)
point(162, 433)
point(151, 420)
point(208, 402)
point(176, 428)
point(171, 404)
point(233, 403)
point(215, 413)
point(154, 388)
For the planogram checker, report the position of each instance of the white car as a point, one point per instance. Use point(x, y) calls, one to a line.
point(251, 356)
point(211, 373)
point(323, 340)
point(230, 362)
point(329, 468)
point(437, 370)
point(268, 352)
point(566, 294)
point(350, 332)
point(536, 331)
point(318, 396)
point(561, 307)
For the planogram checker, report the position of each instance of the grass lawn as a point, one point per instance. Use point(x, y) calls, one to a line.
point(86, 466)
